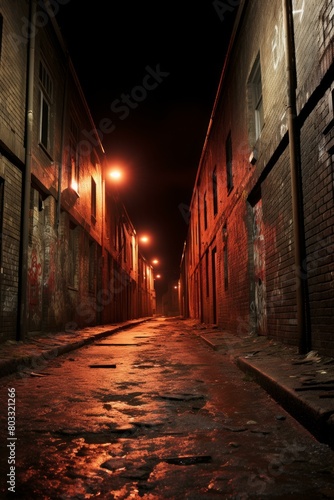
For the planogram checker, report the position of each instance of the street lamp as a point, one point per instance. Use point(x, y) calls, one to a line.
point(116, 174)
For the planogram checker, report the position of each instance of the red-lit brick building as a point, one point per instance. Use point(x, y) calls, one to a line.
point(68, 251)
point(259, 254)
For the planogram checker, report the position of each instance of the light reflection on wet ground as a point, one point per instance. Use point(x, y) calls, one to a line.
point(172, 420)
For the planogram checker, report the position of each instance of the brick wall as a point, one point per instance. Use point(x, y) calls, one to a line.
point(12, 154)
point(10, 178)
point(253, 230)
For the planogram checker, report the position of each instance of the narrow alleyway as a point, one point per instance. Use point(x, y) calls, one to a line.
point(153, 412)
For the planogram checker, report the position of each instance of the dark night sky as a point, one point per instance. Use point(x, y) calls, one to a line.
point(159, 142)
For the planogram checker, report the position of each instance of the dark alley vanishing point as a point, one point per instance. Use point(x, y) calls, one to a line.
point(153, 412)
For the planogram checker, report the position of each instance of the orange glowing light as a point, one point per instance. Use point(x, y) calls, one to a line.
point(155, 261)
point(74, 185)
point(116, 174)
point(144, 239)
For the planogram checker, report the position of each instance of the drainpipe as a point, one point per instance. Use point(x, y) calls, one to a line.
point(26, 185)
point(199, 256)
point(296, 180)
point(60, 168)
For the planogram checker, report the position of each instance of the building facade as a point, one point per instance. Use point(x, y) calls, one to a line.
point(68, 251)
point(258, 258)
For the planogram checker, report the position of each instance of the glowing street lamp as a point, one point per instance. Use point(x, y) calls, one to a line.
point(116, 174)
point(155, 261)
point(144, 239)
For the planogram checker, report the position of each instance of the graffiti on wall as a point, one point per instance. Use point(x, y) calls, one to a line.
point(34, 274)
point(278, 39)
point(259, 269)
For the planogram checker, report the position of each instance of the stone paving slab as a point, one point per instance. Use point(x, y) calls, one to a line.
point(302, 384)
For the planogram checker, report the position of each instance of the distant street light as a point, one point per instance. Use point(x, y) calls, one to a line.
point(155, 261)
point(144, 239)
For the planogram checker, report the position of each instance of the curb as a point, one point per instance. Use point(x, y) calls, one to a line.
point(10, 366)
point(213, 346)
point(318, 422)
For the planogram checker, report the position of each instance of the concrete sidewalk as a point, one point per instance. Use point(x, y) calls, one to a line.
point(33, 354)
point(302, 385)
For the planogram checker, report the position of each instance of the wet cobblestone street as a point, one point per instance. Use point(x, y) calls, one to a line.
point(153, 412)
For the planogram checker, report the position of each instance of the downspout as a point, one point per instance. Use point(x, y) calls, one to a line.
point(296, 180)
point(200, 258)
point(23, 273)
point(60, 168)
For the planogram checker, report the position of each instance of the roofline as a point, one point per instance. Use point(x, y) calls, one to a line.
point(71, 66)
point(220, 85)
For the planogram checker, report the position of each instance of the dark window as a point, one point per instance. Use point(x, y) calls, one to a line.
point(225, 257)
point(207, 273)
point(205, 213)
point(93, 199)
point(74, 156)
point(46, 90)
point(256, 100)
point(215, 191)
point(229, 160)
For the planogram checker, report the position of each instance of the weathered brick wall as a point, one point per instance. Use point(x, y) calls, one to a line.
point(318, 188)
point(10, 244)
point(256, 214)
point(13, 76)
point(12, 154)
point(280, 277)
point(315, 55)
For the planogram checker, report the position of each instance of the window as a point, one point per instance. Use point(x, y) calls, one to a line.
point(205, 213)
point(207, 273)
point(256, 100)
point(46, 90)
point(93, 200)
point(228, 153)
point(215, 191)
point(225, 257)
point(74, 156)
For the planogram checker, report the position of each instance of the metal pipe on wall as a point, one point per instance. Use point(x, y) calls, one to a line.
point(296, 180)
point(22, 324)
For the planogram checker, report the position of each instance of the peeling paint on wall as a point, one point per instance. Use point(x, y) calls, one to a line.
point(259, 269)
